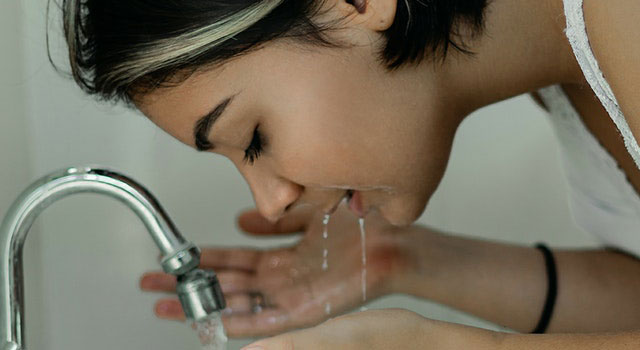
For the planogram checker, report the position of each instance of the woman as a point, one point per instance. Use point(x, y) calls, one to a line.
point(317, 102)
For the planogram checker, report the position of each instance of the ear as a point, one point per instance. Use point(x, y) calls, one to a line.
point(377, 15)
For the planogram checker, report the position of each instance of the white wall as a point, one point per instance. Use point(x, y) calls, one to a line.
point(15, 147)
point(503, 182)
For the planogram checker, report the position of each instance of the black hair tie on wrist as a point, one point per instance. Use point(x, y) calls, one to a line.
point(552, 292)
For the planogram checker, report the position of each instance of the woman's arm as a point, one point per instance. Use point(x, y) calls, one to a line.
point(506, 284)
point(611, 341)
point(401, 329)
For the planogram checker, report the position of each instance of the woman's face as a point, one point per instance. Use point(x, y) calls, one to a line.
point(313, 125)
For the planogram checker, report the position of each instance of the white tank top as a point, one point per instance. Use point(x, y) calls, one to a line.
point(602, 200)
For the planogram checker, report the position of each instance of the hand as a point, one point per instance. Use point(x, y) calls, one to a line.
point(293, 288)
point(382, 329)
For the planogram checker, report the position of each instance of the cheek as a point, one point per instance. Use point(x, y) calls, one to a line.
point(420, 182)
point(315, 147)
point(310, 156)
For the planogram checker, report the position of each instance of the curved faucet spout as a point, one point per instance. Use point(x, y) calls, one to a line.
point(179, 256)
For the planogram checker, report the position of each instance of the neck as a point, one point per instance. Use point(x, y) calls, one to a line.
point(523, 48)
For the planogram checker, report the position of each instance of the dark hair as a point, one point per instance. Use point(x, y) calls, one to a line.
point(429, 27)
point(112, 42)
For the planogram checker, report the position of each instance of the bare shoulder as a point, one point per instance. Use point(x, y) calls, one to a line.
point(613, 27)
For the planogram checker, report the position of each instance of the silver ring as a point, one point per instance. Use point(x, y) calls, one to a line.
point(256, 302)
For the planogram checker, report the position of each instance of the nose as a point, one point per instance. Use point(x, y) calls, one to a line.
point(273, 195)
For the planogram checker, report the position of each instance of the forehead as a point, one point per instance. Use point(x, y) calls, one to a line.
point(207, 84)
point(176, 109)
point(186, 95)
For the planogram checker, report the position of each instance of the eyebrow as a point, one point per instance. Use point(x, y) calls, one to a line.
point(204, 124)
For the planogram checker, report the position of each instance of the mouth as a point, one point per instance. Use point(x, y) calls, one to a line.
point(337, 204)
point(354, 200)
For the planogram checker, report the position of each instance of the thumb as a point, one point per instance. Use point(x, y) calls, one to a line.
point(296, 221)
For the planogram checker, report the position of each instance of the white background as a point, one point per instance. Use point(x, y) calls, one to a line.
point(85, 254)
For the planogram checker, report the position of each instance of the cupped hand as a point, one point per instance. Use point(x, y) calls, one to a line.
point(271, 291)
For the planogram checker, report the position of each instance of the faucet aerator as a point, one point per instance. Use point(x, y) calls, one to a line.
point(200, 294)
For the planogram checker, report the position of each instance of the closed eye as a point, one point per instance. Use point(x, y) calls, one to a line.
point(255, 148)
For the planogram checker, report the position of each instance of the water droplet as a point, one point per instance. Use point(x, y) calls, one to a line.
point(274, 262)
point(294, 272)
point(327, 308)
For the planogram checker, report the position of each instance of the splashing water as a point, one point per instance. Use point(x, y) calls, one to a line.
point(325, 254)
point(211, 333)
point(364, 259)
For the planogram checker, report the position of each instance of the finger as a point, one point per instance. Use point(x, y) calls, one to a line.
point(238, 316)
point(229, 258)
point(158, 282)
point(239, 322)
point(233, 282)
point(238, 304)
point(295, 221)
point(241, 304)
point(169, 309)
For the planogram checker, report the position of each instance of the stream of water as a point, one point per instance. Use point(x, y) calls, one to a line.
point(211, 333)
point(325, 254)
point(363, 279)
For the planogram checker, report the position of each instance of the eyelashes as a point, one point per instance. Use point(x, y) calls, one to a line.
point(253, 152)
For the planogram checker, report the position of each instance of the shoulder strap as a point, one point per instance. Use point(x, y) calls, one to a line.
point(576, 32)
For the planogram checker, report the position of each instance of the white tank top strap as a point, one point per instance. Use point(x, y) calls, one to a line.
point(576, 32)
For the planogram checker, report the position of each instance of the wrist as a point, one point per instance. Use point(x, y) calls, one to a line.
point(389, 261)
point(420, 260)
point(408, 251)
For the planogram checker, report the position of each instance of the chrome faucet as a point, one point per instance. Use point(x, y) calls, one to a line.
point(198, 290)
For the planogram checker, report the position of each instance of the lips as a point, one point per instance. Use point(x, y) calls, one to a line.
point(354, 199)
point(335, 206)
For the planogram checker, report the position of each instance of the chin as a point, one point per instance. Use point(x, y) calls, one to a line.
point(402, 215)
